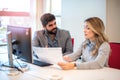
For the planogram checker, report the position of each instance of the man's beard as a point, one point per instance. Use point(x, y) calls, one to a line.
point(53, 31)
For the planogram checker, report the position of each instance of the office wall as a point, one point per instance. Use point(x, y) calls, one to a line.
point(74, 12)
point(113, 20)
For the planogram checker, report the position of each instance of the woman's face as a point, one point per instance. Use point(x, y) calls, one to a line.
point(89, 34)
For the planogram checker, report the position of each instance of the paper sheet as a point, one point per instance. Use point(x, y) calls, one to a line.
point(50, 55)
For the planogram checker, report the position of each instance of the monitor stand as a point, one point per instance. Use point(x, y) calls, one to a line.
point(12, 69)
point(13, 72)
point(22, 66)
point(16, 68)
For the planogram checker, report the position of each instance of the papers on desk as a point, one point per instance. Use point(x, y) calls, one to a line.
point(49, 55)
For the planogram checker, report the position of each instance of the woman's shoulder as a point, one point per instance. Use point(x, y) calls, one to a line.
point(105, 45)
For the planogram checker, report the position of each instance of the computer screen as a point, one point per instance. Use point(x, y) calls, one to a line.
point(21, 42)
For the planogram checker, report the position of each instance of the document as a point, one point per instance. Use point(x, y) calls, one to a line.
point(49, 55)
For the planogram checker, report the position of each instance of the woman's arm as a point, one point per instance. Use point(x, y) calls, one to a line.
point(100, 61)
point(74, 56)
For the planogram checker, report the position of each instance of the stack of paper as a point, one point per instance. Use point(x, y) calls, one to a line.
point(50, 55)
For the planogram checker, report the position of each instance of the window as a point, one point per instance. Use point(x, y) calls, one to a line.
point(17, 13)
point(13, 12)
point(54, 7)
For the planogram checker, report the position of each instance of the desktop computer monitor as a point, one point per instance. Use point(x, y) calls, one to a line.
point(20, 42)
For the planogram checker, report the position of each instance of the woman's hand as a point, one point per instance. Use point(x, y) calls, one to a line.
point(66, 58)
point(66, 65)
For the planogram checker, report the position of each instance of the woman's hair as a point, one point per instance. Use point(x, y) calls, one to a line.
point(98, 28)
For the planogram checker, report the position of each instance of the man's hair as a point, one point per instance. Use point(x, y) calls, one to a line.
point(47, 17)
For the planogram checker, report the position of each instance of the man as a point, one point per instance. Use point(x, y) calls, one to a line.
point(52, 36)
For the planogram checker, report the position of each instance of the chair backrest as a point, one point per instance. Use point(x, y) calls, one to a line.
point(114, 59)
point(72, 42)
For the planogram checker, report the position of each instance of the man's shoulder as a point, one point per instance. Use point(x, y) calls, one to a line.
point(39, 32)
point(63, 31)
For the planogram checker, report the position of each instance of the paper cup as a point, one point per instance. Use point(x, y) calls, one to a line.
point(55, 77)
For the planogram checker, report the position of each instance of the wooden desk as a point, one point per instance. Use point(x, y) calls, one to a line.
point(98, 74)
point(43, 73)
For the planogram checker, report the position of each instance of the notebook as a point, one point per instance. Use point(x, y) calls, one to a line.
point(51, 55)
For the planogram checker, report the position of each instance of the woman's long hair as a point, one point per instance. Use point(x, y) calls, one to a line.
point(98, 28)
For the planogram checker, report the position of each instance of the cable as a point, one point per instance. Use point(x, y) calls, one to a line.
point(12, 67)
point(18, 69)
point(17, 61)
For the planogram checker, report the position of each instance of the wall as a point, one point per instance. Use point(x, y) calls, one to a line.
point(39, 11)
point(74, 12)
point(113, 20)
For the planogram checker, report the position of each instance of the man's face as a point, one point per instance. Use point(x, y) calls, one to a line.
point(51, 27)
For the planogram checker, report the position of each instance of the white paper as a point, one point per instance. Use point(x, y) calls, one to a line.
point(50, 55)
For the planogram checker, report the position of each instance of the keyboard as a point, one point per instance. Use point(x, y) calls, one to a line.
point(41, 63)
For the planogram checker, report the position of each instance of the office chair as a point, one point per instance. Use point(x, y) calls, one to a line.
point(114, 59)
point(72, 42)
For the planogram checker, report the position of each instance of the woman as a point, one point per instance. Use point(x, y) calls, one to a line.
point(94, 51)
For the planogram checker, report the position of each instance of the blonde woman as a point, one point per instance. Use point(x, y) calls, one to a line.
point(94, 51)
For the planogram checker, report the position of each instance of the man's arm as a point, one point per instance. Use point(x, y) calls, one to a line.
point(69, 46)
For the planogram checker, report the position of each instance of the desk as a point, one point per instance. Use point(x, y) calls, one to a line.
point(98, 74)
point(43, 73)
